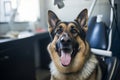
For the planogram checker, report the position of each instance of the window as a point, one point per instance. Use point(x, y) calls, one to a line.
point(19, 10)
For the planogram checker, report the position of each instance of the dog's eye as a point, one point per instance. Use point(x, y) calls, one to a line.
point(73, 31)
point(59, 31)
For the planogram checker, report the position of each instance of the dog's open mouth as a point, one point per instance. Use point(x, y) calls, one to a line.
point(66, 50)
point(65, 56)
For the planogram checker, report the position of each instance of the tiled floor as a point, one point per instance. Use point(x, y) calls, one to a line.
point(41, 74)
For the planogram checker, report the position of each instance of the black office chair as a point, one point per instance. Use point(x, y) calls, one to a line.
point(97, 37)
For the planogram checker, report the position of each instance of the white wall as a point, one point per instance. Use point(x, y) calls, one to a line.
point(70, 11)
point(73, 7)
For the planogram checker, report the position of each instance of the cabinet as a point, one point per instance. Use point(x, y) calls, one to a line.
point(17, 60)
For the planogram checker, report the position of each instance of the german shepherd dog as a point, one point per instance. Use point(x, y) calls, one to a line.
point(69, 51)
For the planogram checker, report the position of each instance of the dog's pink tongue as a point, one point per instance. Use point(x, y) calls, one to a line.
point(65, 58)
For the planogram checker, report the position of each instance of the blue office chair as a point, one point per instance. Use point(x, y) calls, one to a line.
point(99, 40)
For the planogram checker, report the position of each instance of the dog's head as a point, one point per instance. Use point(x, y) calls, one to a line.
point(68, 37)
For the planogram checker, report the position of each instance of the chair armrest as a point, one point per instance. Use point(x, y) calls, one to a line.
point(101, 52)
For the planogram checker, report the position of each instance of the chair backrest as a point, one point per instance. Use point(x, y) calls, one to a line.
point(97, 34)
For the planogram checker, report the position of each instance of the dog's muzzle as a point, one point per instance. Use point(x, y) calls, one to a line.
point(65, 47)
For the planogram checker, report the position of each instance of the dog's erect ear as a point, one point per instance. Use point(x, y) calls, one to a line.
point(82, 19)
point(52, 19)
point(52, 22)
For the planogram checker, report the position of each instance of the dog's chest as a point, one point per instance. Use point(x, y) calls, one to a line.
point(72, 77)
point(66, 77)
point(56, 75)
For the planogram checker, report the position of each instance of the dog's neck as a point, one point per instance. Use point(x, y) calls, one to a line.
point(86, 71)
point(89, 67)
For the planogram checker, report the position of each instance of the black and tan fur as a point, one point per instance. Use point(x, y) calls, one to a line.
point(69, 38)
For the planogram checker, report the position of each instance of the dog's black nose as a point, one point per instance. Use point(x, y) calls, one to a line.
point(65, 39)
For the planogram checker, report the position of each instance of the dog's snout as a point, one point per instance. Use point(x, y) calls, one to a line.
point(65, 39)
